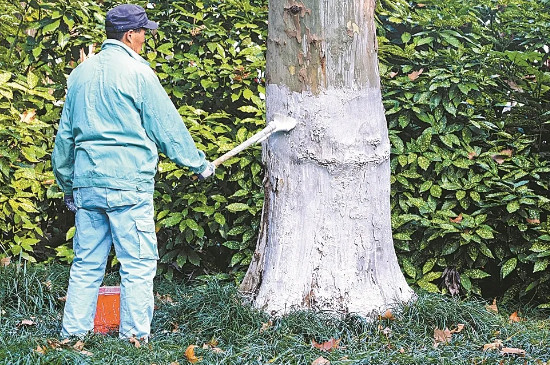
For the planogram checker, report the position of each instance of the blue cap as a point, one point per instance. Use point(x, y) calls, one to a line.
point(124, 17)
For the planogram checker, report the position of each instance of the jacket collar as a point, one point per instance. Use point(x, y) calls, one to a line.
point(113, 43)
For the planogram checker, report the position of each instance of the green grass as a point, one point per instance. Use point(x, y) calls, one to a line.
point(215, 312)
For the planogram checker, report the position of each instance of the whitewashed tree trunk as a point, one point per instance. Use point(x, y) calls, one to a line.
point(325, 241)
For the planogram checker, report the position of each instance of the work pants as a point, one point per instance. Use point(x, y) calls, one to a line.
point(123, 218)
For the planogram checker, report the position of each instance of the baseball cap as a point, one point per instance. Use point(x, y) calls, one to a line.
point(124, 17)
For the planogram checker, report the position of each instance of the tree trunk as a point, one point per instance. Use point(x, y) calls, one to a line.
point(325, 239)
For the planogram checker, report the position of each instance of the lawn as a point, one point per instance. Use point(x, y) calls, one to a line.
point(434, 330)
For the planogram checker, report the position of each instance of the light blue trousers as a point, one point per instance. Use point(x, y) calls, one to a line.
point(123, 218)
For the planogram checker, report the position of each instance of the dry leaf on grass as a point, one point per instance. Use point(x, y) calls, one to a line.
point(62, 299)
point(5, 261)
point(26, 322)
point(493, 307)
point(175, 327)
point(190, 354)
point(79, 345)
point(135, 341)
point(40, 349)
point(387, 315)
point(512, 351)
point(87, 353)
point(496, 345)
point(320, 361)
point(441, 336)
point(327, 345)
point(266, 326)
point(458, 329)
point(212, 347)
point(166, 298)
point(514, 317)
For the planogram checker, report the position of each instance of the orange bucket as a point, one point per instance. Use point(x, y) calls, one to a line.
point(107, 315)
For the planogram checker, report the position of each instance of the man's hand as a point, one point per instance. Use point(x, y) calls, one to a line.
point(209, 170)
point(69, 202)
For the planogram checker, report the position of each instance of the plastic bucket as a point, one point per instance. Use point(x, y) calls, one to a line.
point(107, 315)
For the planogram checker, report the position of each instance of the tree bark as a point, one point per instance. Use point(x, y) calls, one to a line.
point(325, 240)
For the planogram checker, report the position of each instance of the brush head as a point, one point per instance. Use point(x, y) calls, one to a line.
point(283, 123)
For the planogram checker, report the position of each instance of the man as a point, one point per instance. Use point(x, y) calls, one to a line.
point(115, 116)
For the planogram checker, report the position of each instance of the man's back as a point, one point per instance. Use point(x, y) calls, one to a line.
point(112, 148)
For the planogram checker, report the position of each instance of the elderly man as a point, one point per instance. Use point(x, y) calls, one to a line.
point(116, 115)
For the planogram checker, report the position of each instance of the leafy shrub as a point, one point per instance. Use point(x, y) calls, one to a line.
point(210, 58)
point(469, 183)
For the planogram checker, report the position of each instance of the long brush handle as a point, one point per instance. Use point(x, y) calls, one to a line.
point(264, 133)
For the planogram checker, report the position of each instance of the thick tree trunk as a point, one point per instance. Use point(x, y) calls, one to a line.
point(325, 240)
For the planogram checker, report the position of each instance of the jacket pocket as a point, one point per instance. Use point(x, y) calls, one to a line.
point(147, 239)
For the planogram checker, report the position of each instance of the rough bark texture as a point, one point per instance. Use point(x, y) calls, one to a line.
point(325, 240)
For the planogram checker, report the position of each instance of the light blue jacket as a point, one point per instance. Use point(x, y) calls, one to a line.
point(116, 115)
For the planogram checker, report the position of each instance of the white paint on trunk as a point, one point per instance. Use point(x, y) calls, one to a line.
point(327, 243)
point(325, 240)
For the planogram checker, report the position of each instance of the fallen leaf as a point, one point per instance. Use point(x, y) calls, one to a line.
point(87, 353)
point(213, 342)
point(402, 350)
point(388, 315)
point(533, 221)
point(441, 336)
point(62, 299)
point(166, 298)
point(414, 75)
point(190, 354)
point(471, 155)
point(496, 345)
point(40, 349)
point(514, 317)
point(512, 351)
point(65, 341)
point(327, 345)
point(457, 219)
point(217, 350)
point(458, 329)
point(507, 152)
point(320, 361)
point(174, 363)
point(79, 345)
point(175, 327)
point(135, 341)
point(392, 74)
point(27, 322)
point(493, 307)
point(5, 261)
point(266, 326)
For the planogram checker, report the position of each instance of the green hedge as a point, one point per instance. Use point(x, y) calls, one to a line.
point(465, 89)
